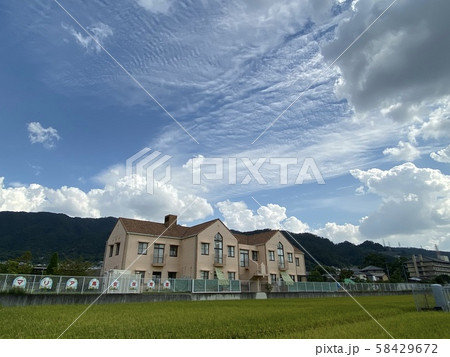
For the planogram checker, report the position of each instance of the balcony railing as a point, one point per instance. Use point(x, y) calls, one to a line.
point(159, 260)
point(220, 260)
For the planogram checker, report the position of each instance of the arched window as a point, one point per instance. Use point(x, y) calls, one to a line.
point(280, 251)
point(218, 249)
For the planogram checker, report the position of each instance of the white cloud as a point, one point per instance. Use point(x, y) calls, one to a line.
point(156, 6)
point(415, 206)
point(340, 233)
point(99, 31)
point(399, 67)
point(442, 155)
point(403, 152)
point(238, 216)
point(117, 198)
point(45, 136)
point(438, 125)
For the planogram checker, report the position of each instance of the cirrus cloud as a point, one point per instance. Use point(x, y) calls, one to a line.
point(45, 136)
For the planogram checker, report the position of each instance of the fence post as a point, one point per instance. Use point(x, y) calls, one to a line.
point(32, 285)
point(4, 284)
point(58, 287)
point(82, 285)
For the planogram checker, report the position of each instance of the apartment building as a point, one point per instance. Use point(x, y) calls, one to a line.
point(205, 251)
point(427, 268)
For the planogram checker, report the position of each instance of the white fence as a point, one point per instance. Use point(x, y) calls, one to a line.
point(121, 283)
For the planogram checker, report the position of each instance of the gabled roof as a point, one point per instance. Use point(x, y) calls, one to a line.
point(372, 268)
point(160, 229)
point(255, 239)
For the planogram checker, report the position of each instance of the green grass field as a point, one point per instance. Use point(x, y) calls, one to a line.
point(275, 318)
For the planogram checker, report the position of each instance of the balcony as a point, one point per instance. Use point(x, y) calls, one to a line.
point(220, 261)
point(283, 266)
point(159, 260)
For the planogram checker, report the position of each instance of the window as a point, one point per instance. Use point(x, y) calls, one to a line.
point(255, 255)
point(173, 251)
point(231, 275)
point(290, 258)
point(273, 278)
point(111, 250)
point(271, 255)
point(158, 253)
point(231, 251)
point(141, 274)
point(297, 262)
point(204, 274)
point(280, 252)
point(292, 277)
point(218, 248)
point(156, 276)
point(117, 248)
point(205, 248)
point(142, 248)
point(243, 258)
point(172, 275)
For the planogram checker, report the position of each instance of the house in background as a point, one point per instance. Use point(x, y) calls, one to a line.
point(369, 273)
point(205, 251)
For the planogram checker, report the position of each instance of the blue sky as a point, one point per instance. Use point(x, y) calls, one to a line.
point(375, 121)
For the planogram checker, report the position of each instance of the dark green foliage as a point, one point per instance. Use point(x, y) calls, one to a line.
point(345, 274)
point(442, 279)
point(375, 259)
point(52, 267)
point(20, 265)
point(74, 267)
point(44, 233)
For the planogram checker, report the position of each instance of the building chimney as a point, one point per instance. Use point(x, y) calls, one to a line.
point(170, 220)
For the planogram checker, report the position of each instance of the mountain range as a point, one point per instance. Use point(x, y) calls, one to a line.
point(44, 233)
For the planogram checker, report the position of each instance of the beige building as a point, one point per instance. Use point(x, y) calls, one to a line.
point(205, 251)
point(427, 268)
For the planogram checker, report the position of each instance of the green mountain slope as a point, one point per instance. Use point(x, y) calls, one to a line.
point(44, 233)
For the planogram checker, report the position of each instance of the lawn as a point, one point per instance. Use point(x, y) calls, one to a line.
point(274, 318)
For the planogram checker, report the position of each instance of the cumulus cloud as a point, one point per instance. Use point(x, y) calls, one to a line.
point(99, 31)
point(398, 68)
point(442, 155)
point(415, 204)
point(400, 62)
point(340, 233)
point(120, 196)
point(238, 216)
point(45, 136)
point(403, 152)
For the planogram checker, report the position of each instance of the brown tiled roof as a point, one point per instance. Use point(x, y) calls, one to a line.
point(159, 229)
point(254, 239)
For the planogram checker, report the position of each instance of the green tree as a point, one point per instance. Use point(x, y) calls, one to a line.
point(375, 259)
point(74, 267)
point(397, 273)
point(442, 279)
point(52, 267)
point(20, 265)
point(345, 274)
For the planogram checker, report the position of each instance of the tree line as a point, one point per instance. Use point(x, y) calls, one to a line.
point(24, 265)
